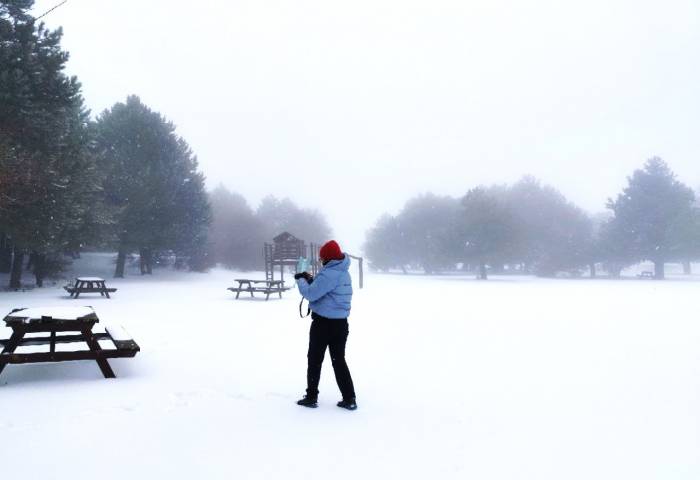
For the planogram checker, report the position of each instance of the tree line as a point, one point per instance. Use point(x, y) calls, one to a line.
point(238, 232)
point(124, 181)
point(531, 228)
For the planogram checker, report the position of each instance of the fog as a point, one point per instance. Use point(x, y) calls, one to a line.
point(352, 108)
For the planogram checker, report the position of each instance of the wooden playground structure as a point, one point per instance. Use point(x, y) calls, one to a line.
point(286, 250)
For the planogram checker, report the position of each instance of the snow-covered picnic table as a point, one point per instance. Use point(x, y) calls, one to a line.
point(89, 285)
point(53, 320)
point(267, 287)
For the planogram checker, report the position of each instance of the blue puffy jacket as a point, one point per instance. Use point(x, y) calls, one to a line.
point(330, 293)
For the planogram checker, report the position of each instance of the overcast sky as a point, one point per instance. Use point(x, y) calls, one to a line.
point(354, 107)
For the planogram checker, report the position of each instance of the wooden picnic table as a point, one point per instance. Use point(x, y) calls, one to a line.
point(54, 320)
point(89, 285)
point(268, 287)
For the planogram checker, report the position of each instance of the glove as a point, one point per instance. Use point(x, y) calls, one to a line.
point(305, 275)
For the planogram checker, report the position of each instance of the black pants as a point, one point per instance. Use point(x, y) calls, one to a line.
point(328, 333)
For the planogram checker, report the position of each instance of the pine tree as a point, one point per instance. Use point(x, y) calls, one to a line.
point(152, 185)
point(426, 225)
point(237, 235)
point(553, 235)
point(488, 229)
point(284, 215)
point(647, 213)
point(384, 246)
point(49, 181)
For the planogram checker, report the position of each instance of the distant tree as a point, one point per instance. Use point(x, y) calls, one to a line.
point(684, 238)
point(487, 228)
point(49, 187)
point(594, 252)
point(278, 216)
point(612, 250)
point(275, 215)
point(191, 213)
point(426, 226)
point(568, 244)
point(384, 246)
point(685, 233)
point(647, 211)
point(552, 233)
point(236, 234)
point(153, 186)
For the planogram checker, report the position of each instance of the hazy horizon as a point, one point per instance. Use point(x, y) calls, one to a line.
point(353, 109)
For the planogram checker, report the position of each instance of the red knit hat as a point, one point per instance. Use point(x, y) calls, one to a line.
point(331, 251)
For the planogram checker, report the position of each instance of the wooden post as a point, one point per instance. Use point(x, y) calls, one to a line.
point(95, 347)
point(360, 263)
point(361, 273)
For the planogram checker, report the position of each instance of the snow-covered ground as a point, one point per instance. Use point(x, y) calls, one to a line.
point(513, 378)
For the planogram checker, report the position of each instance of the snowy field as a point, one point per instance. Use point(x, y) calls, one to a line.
point(513, 378)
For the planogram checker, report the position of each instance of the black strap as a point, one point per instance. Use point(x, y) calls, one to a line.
point(308, 309)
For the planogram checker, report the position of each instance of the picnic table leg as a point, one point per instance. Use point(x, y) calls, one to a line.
point(95, 347)
point(104, 289)
point(11, 345)
point(52, 347)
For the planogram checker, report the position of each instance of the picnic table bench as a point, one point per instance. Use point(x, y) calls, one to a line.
point(53, 320)
point(267, 287)
point(89, 285)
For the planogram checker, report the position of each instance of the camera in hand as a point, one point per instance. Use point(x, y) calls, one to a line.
point(305, 275)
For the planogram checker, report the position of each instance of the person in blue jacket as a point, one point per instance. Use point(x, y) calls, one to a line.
point(329, 295)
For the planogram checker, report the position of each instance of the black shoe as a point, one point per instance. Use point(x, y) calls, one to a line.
point(308, 401)
point(348, 404)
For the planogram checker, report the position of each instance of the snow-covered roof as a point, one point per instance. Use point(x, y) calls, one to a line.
point(285, 237)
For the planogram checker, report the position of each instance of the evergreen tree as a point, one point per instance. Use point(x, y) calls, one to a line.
point(152, 185)
point(49, 182)
point(552, 233)
point(488, 229)
point(385, 246)
point(612, 249)
point(648, 211)
point(278, 216)
point(684, 237)
point(426, 227)
point(237, 234)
